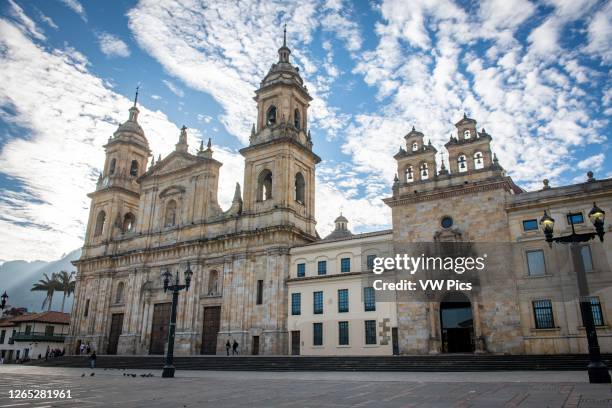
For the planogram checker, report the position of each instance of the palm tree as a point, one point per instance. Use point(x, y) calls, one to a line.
point(66, 284)
point(49, 285)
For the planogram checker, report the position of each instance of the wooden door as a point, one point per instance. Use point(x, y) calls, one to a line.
point(295, 343)
point(211, 323)
point(159, 327)
point(115, 332)
point(394, 341)
point(255, 348)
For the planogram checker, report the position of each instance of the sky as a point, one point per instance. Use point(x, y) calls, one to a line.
point(536, 75)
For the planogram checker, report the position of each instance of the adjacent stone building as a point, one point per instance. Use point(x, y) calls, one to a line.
point(263, 277)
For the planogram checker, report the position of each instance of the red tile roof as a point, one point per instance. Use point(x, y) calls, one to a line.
point(45, 317)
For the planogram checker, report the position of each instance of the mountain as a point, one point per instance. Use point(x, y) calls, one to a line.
point(17, 278)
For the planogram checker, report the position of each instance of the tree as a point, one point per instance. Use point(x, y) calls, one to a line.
point(66, 284)
point(49, 285)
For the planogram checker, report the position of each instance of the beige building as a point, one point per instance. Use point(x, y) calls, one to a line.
point(263, 277)
point(330, 310)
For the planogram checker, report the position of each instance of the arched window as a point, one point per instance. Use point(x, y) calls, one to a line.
point(213, 283)
point(462, 163)
point(111, 168)
point(119, 294)
point(129, 220)
point(297, 120)
point(415, 146)
point(467, 134)
point(100, 221)
point(134, 168)
point(478, 160)
point(424, 171)
point(264, 185)
point(409, 174)
point(170, 215)
point(271, 115)
point(300, 184)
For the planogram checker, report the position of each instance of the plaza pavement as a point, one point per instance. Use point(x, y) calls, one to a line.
point(115, 388)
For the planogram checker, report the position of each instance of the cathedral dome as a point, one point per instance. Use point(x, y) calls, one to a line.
point(131, 131)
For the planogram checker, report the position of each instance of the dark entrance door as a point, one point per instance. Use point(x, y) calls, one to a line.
point(255, 348)
point(295, 343)
point(457, 324)
point(159, 328)
point(212, 320)
point(115, 332)
point(394, 341)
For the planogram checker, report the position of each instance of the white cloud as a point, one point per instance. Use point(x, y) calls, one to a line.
point(47, 20)
point(112, 45)
point(77, 7)
point(173, 88)
point(592, 163)
point(24, 21)
point(225, 49)
point(600, 33)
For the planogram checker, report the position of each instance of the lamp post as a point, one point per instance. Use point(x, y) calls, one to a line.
point(598, 371)
point(168, 371)
point(3, 300)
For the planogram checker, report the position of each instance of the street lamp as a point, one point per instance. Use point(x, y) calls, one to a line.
point(598, 371)
point(168, 371)
point(3, 300)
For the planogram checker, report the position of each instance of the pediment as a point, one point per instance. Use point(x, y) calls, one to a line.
point(171, 164)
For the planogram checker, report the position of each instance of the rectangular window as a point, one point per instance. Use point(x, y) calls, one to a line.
point(322, 267)
point(343, 333)
point(301, 270)
point(596, 311)
point(369, 299)
point(370, 262)
point(2, 336)
point(370, 332)
point(317, 302)
point(543, 313)
point(28, 329)
point(86, 313)
point(575, 218)
point(49, 330)
point(530, 225)
point(259, 292)
point(587, 260)
point(296, 304)
point(345, 265)
point(317, 334)
point(535, 263)
point(343, 301)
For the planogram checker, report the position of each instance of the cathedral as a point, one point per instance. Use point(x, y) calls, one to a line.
point(263, 277)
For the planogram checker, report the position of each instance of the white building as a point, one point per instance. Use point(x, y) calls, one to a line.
point(331, 308)
point(30, 335)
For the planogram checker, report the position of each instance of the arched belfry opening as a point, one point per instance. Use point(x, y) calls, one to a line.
point(271, 116)
point(456, 323)
point(300, 186)
point(264, 185)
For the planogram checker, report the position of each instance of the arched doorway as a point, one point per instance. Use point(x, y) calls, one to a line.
point(456, 323)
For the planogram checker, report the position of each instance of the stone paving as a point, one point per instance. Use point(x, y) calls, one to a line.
point(112, 388)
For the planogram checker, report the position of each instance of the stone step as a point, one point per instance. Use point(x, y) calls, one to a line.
point(338, 363)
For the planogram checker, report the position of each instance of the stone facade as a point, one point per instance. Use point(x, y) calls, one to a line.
point(143, 223)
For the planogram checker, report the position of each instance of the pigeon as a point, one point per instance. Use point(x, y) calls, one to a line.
point(83, 375)
point(92, 374)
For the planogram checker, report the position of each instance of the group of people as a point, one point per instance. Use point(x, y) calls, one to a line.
point(51, 353)
point(233, 346)
point(84, 349)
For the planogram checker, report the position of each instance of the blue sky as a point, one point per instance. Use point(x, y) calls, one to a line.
point(534, 74)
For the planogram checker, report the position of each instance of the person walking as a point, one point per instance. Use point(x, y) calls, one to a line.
point(92, 359)
point(235, 347)
point(227, 346)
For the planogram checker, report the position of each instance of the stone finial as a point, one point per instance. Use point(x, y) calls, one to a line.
point(152, 162)
point(590, 177)
point(464, 115)
point(429, 142)
point(237, 194)
point(413, 129)
point(201, 145)
point(209, 144)
point(546, 185)
point(159, 158)
point(182, 146)
point(253, 130)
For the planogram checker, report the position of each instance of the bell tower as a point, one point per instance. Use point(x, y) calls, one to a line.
point(280, 165)
point(114, 203)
